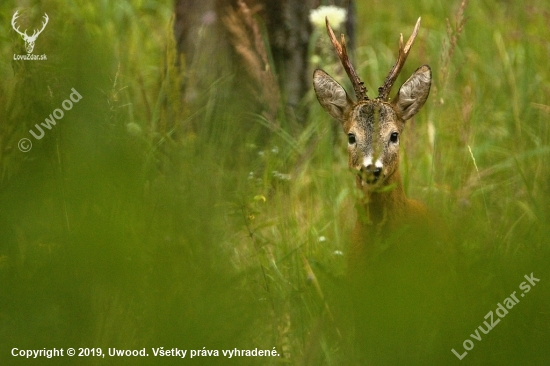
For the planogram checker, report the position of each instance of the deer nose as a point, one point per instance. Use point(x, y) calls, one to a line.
point(372, 169)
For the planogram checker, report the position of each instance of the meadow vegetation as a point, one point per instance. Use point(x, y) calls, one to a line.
point(145, 219)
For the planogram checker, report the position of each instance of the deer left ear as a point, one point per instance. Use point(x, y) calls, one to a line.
point(413, 93)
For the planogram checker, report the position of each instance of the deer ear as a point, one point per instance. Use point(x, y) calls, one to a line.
point(331, 95)
point(413, 93)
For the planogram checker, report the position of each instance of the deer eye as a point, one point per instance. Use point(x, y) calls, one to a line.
point(394, 137)
point(351, 138)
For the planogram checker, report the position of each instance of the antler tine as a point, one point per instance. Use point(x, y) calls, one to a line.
point(385, 89)
point(14, 26)
point(358, 86)
point(44, 23)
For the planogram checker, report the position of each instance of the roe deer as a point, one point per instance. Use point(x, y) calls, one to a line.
point(374, 127)
point(402, 296)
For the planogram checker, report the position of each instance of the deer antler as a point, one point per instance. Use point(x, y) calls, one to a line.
point(29, 40)
point(24, 34)
point(358, 85)
point(44, 23)
point(15, 28)
point(385, 89)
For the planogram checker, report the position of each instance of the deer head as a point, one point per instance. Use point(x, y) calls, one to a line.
point(373, 126)
point(29, 40)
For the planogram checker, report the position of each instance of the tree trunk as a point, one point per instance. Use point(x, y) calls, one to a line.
point(288, 30)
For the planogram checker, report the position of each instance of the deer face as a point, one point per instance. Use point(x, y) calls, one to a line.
point(29, 43)
point(373, 126)
point(373, 141)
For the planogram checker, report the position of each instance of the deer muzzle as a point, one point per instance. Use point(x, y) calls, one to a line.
point(370, 171)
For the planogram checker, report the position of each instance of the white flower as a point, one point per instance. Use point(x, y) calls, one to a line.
point(133, 129)
point(336, 16)
point(280, 176)
point(315, 59)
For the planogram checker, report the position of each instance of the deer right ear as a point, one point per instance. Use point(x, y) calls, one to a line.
point(331, 95)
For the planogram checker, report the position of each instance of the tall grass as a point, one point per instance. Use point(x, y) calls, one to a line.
point(146, 220)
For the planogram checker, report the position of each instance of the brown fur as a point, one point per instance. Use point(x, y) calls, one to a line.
point(399, 268)
point(384, 207)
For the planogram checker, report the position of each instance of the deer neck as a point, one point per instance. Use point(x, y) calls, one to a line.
point(384, 206)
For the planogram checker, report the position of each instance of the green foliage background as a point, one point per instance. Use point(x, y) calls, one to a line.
point(144, 220)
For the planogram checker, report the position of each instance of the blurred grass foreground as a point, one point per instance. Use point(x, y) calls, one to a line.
point(189, 201)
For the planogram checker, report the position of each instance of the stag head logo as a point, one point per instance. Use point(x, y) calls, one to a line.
point(29, 40)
